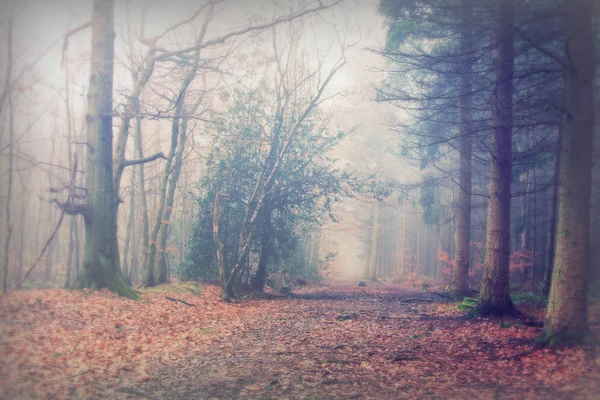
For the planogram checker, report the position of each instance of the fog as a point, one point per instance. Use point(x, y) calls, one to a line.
point(382, 196)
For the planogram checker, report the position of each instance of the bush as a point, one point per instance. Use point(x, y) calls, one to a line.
point(528, 298)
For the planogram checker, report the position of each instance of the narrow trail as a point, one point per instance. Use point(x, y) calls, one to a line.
point(383, 341)
point(347, 342)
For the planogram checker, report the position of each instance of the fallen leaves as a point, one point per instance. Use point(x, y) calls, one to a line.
point(68, 344)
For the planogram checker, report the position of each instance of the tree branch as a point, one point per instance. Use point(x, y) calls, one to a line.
point(240, 32)
point(128, 163)
point(62, 215)
point(72, 32)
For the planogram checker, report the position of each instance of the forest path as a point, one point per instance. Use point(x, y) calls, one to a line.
point(342, 341)
point(383, 341)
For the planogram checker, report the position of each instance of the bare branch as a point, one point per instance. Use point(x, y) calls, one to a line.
point(70, 33)
point(62, 216)
point(145, 160)
point(240, 32)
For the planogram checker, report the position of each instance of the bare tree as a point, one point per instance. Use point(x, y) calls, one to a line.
point(7, 95)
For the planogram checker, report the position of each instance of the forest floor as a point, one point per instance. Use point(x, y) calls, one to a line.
point(384, 341)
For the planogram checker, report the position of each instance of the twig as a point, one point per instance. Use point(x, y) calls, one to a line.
point(76, 345)
point(71, 33)
point(135, 392)
point(62, 216)
point(180, 301)
point(416, 300)
point(79, 374)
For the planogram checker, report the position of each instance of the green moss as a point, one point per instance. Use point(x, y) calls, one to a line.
point(116, 284)
point(187, 287)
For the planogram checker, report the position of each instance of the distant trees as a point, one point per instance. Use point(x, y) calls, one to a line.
point(515, 113)
point(270, 172)
point(101, 259)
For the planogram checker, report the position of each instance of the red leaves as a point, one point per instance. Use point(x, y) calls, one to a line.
point(76, 342)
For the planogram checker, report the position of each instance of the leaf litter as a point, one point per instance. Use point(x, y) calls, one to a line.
point(384, 341)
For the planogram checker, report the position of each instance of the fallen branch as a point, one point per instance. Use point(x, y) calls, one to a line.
point(62, 216)
point(416, 300)
point(79, 374)
point(75, 348)
point(180, 301)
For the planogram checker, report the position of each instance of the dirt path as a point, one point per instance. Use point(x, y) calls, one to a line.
point(383, 341)
point(380, 342)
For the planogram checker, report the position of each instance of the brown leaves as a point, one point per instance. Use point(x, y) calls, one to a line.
point(81, 344)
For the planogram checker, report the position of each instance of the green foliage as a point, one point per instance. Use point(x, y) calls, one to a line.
point(532, 298)
point(200, 261)
point(468, 304)
point(257, 145)
point(430, 202)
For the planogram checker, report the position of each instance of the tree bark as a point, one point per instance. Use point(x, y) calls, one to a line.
point(374, 246)
point(566, 320)
point(494, 298)
point(258, 281)
point(101, 252)
point(223, 274)
point(552, 220)
point(460, 274)
point(9, 227)
point(130, 226)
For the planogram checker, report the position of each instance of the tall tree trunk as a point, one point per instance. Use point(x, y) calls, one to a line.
point(494, 297)
point(223, 273)
point(374, 243)
point(129, 228)
point(101, 252)
point(8, 92)
point(460, 274)
point(258, 281)
point(149, 270)
point(525, 220)
point(566, 320)
point(164, 229)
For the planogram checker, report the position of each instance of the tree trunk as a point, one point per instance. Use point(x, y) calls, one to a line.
point(101, 252)
point(223, 274)
point(70, 254)
point(525, 220)
point(494, 298)
point(9, 227)
point(149, 271)
point(460, 274)
point(374, 242)
point(566, 320)
point(129, 228)
point(258, 281)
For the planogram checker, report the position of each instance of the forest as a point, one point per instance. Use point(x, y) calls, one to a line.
point(300, 199)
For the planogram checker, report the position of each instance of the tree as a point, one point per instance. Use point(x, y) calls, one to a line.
point(460, 273)
point(101, 267)
point(373, 259)
point(7, 95)
point(494, 296)
point(566, 320)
